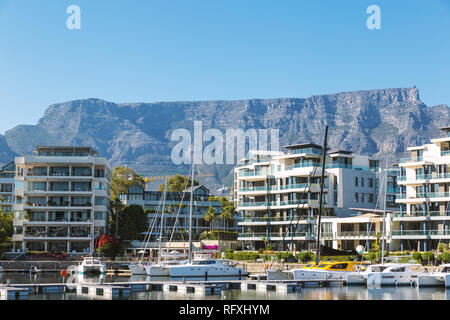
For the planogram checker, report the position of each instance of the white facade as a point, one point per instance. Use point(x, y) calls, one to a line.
point(61, 199)
point(277, 194)
point(425, 182)
point(7, 187)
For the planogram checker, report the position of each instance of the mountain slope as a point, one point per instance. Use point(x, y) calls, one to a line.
point(376, 122)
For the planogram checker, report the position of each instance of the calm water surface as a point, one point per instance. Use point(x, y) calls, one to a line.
point(332, 293)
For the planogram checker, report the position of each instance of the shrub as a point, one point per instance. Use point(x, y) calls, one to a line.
point(283, 255)
point(427, 257)
point(417, 256)
point(444, 257)
point(306, 256)
point(245, 255)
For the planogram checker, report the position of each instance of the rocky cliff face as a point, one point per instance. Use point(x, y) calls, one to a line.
point(375, 122)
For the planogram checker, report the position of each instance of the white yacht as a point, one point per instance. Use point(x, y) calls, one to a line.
point(326, 271)
point(360, 277)
point(91, 265)
point(435, 279)
point(206, 267)
point(394, 274)
point(137, 268)
point(277, 274)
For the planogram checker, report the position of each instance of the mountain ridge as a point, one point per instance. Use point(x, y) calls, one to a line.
point(376, 122)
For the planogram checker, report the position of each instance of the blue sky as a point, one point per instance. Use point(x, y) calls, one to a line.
point(172, 50)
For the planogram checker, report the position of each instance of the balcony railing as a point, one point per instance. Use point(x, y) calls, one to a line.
point(275, 234)
point(411, 159)
point(359, 234)
point(445, 153)
point(272, 219)
point(421, 214)
point(421, 232)
point(252, 173)
point(424, 195)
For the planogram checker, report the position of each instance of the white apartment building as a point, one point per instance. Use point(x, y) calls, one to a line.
point(7, 187)
point(424, 181)
point(277, 194)
point(61, 199)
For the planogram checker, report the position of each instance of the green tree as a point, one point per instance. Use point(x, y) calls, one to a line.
point(123, 178)
point(177, 183)
point(210, 216)
point(6, 226)
point(132, 222)
point(227, 215)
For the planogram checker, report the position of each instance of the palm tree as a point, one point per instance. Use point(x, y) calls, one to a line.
point(210, 216)
point(227, 215)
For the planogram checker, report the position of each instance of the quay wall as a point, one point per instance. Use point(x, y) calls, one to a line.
point(49, 265)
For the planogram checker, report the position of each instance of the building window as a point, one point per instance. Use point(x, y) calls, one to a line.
point(370, 198)
point(362, 197)
point(362, 182)
point(356, 196)
point(370, 183)
point(356, 181)
point(335, 198)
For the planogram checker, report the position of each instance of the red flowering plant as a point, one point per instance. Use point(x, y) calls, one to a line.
point(107, 245)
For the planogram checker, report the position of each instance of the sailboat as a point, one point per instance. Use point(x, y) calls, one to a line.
point(203, 265)
point(436, 279)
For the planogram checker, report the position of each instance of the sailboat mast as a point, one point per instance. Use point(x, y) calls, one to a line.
point(190, 215)
point(384, 211)
point(322, 177)
point(162, 222)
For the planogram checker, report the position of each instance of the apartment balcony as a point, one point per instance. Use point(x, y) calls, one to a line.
point(412, 162)
point(421, 216)
point(445, 153)
point(253, 175)
point(261, 221)
point(286, 188)
point(253, 236)
point(424, 178)
point(341, 235)
point(420, 234)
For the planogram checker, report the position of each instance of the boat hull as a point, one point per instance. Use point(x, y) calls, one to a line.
point(302, 274)
point(200, 271)
point(137, 269)
point(357, 278)
point(279, 275)
point(432, 280)
point(157, 271)
point(91, 270)
point(391, 279)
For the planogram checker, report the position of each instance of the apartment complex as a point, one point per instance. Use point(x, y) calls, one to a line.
point(61, 199)
point(7, 173)
point(277, 194)
point(423, 221)
point(178, 226)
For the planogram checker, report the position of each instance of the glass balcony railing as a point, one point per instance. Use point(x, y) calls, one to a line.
point(272, 219)
point(411, 159)
point(421, 232)
point(424, 195)
point(275, 235)
point(252, 173)
point(420, 214)
point(445, 153)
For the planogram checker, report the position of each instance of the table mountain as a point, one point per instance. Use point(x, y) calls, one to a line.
point(375, 122)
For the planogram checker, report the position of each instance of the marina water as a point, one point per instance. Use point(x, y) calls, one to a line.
point(329, 293)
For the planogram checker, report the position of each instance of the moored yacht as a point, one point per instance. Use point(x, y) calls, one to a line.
point(326, 271)
point(395, 274)
point(435, 279)
point(360, 277)
point(206, 267)
point(91, 265)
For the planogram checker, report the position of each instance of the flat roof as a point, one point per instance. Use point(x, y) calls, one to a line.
point(372, 210)
point(445, 128)
point(304, 145)
point(341, 151)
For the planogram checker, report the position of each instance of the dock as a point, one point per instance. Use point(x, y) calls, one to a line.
point(115, 290)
